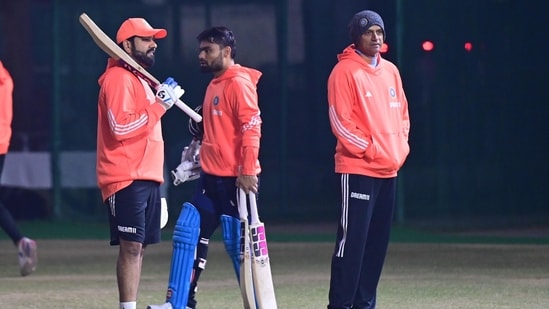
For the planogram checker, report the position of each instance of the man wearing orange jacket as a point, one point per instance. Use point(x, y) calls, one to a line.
point(130, 152)
point(232, 131)
point(229, 154)
point(368, 114)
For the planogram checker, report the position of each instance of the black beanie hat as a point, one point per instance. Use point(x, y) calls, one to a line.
point(362, 21)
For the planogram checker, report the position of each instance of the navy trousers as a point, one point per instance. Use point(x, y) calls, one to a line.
point(366, 214)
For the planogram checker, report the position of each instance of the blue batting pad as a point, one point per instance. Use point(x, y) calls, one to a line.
point(185, 238)
point(231, 238)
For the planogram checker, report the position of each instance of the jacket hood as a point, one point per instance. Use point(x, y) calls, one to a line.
point(350, 53)
point(111, 62)
point(250, 74)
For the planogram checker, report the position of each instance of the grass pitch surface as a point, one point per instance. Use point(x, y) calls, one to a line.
point(435, 271)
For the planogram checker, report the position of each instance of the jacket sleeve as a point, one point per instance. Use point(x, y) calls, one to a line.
point(405, 114)
point(249, 117)
point(130, 113)
point(341, 98)
point(405, 118)
point(6, 108)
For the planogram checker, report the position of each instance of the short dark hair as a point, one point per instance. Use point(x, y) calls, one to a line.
point(221, 36)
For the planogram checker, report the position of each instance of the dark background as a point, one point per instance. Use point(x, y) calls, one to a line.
point(479, 118)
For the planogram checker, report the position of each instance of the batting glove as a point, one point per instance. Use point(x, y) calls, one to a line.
point(169, 92)
point(185, 172)
point(189, 169)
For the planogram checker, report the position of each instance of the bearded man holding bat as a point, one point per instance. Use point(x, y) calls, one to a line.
point(229, 148)
point(130, 152)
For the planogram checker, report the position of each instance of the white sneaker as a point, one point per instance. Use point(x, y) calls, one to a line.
point(163, 306)
point(28, 256)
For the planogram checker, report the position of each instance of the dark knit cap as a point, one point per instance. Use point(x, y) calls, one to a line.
point(362, 21)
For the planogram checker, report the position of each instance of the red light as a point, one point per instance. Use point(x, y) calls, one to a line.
point(384, 48)
point(468, 46)
point(428, 46)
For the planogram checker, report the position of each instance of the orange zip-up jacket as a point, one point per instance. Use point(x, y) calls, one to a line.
point(6, 108)
point(368, 115)
point(232, 124)
point(129, 133)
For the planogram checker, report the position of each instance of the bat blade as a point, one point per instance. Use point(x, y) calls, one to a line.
point(246, 277)
point(114, 51)
point(261, 266)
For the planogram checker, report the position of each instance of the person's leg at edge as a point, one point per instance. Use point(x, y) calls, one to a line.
point(6, 219)
point(26, 247)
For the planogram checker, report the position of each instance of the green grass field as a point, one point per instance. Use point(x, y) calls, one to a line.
point(423, 270)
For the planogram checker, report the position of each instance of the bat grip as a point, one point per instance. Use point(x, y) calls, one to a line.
point(253, 209)
point(242, 206)
point(189, 111)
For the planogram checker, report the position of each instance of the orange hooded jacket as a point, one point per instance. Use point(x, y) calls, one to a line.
point(129, 133)
point(368, 115)
point(232, 124)
point(6, 108)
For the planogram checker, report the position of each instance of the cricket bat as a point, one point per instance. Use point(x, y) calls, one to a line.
point(114, 51)
point(246, 278)
point(261, 266)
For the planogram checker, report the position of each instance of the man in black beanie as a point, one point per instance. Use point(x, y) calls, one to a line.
point(369, 117)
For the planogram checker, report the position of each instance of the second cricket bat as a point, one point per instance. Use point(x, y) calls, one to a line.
point(114, 51)
point(261, 266)
point(246, 278)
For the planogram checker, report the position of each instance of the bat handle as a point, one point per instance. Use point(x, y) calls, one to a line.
point(253, 209)
point(242, 206)
point(189, 111)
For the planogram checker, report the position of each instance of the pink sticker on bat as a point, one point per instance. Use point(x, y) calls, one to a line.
point(259, 241)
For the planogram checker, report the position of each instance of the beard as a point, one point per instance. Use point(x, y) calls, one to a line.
point(215, 66)
point(142, 58)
